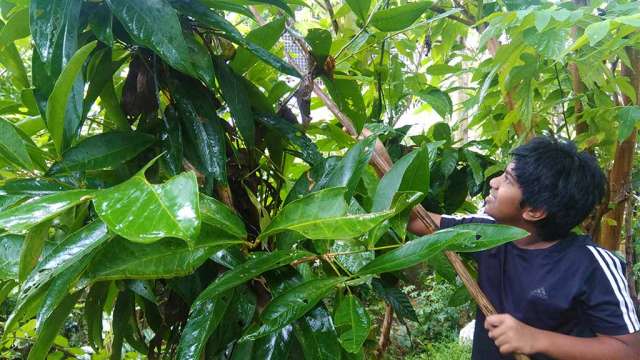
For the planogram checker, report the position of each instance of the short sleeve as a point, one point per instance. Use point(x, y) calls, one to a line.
point(607, 303)
point(447, 221)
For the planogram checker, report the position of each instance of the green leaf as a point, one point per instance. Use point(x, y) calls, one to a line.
point(236, 98)
point(397, 299)
point(279, 3)
point(320, 42)
point(348, 96)
point(265, 36)
point(93, 308)
point(32, 248)
point(216, 213)
point(57, 103)
point(171, 141)
point(415, 251)
point(360, 8)
point(399, 17)
point(316, 334)
point(24, 216)
point(350, 314)
point(542, 19)
point(10, 58)
point(490, 235)
point(206, 16)
point(249, 270)
point(143, 212)
point(628, 119)
point(410, 173)
point(308, 149)
point(52, 326)
point(34, 186)
point(293, 304)
point(10, 246)
point(349, 169)
point(62, 257)
point(58, 290)
point(101, 22)
point(438, 99)
point(550, 43)
point(154, 24)
point(355, 256)
point(17, 27)
point(107, 150)
point(597, 31)
point(203, 319)
point(12, 147)
point(166, 258)
point(46, 24)
point(125, 322)
point(323, 215)
point(200, 125)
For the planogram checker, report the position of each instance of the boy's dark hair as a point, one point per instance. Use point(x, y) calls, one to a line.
point(555, 177)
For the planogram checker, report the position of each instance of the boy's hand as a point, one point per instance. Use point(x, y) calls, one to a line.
point(511, 335)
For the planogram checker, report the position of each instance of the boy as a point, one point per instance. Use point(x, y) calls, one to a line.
point(557, 294)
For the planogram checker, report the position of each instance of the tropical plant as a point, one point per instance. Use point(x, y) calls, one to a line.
point(154, 172)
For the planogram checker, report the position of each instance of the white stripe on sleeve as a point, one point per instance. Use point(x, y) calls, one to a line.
point(622, 281)
point(612, 282)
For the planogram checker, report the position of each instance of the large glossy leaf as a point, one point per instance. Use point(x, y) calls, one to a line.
point(57, 103)
point(143, 212)
point(32, 248)
point(323, 215)
point(203, 319)
point(17, 26)
point(308, 149)
point(415, 251)
point(236, 97)
point(24, 216)
point(353, 323)
point(347, 94)
point(52, 326)
point(237, 318)
point(12, 148)
point(399, 17)
point(356, 255)
point(410, 173)
point(45, 23)
point(62, 257)
point(360, 8)
point(166, 258)
point(155, 25)
point(59, 289)
point(489, 236)
point(439, 100)
point(93, 307)
point(317, 336)
point(107, 150)
point(34, 186)
point(215, 213)
point(10, 246)
point(293, 304)
point(101, 22)
point(265, 36)
point(125, 322)
point(249, 270)
point(171, 142)
point(201, 127)
point(206, 16)
point(350, 168)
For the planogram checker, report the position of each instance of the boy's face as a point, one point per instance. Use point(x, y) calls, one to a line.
point(503, 202)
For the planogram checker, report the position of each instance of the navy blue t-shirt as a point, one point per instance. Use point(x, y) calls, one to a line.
point(573, 287)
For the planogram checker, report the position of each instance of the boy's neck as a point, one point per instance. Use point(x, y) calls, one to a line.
point(533, 242)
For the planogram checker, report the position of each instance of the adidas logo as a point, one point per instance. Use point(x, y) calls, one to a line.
point(540, 292)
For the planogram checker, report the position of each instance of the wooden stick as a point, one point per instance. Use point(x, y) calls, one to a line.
point(382, 163)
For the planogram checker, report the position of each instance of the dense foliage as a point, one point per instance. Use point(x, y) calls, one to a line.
point(154, 172)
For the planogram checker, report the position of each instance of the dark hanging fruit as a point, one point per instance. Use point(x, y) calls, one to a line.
point(139, 94)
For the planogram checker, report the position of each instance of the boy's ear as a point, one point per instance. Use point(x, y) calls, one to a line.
point(531, 214)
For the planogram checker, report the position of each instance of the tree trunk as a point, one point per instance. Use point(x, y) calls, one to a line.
point(620, 176)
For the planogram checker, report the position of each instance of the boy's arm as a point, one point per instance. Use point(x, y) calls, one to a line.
point(511, 335)
point(417, 227)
